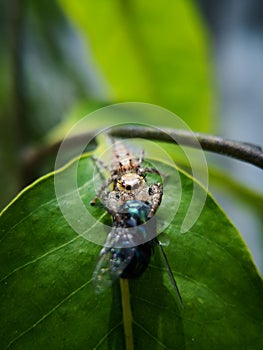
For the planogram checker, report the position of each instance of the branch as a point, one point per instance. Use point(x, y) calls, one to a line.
point(247, 152)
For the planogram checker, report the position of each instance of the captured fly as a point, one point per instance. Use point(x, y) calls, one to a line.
point(118, 261)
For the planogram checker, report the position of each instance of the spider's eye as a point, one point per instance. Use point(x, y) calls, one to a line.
point(128, 187)
point(150, 191)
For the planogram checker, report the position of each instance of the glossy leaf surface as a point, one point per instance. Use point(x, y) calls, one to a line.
point(47, 299)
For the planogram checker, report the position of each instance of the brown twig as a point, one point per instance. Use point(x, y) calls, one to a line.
point(247, 152)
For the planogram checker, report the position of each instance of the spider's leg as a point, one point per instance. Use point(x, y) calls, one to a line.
point(141, 156)
point(152, 171)
point(156, 191)
point(101, 163)
point(115, 215)
point(102, 188)
point(149, 170)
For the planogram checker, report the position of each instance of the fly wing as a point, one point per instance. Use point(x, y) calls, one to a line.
point(112, 262)
point(102, 276)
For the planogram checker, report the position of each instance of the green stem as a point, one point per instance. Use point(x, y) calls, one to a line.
point(127, 314)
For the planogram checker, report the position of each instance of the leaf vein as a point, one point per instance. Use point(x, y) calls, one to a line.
point(42, 206)
point(47, 314)
point(48, 252)
point(107, 334)
point(150, 335)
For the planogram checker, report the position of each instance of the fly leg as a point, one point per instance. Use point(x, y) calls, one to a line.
point(171, 276)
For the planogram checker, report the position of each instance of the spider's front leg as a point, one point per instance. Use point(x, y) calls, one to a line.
point(152, 171)
point(102, 188)
point(141, 158)
point(156, 193)
point(101, 163)
point(111, 202)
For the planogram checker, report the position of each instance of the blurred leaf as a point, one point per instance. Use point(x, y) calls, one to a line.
point(47, 299)
point(56, 71)
point(77, 112)
point(9, 131)
point(218, 177)
point(44, 70)
point(152, 52)
point(242, 192)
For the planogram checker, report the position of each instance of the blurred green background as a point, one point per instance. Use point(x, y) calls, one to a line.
point(201, 60)
point(60, 59)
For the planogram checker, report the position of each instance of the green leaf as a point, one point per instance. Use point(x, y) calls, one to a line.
point(48, 301)
point(149, 51)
